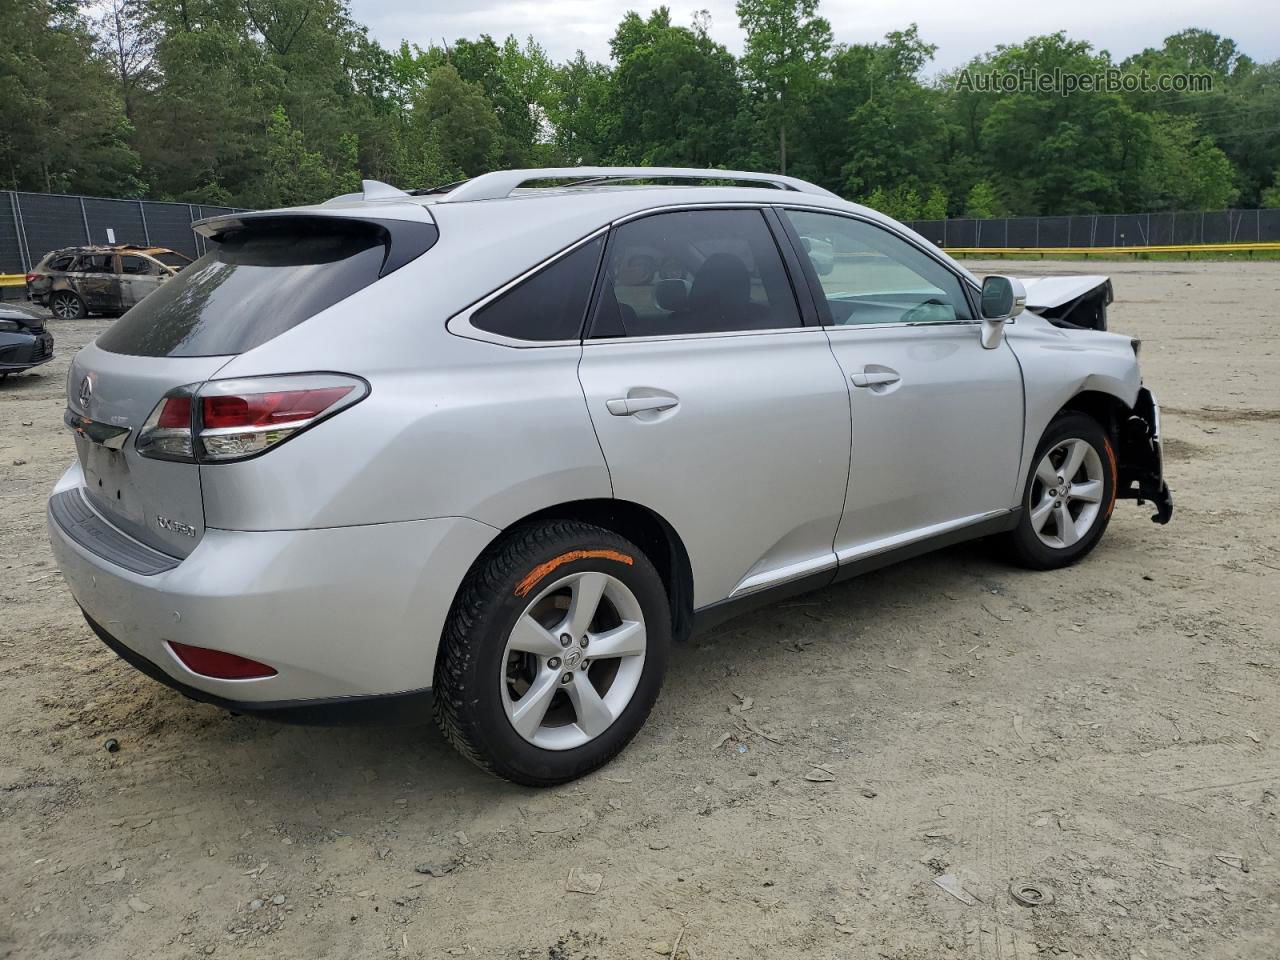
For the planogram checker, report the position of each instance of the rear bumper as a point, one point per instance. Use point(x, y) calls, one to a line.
point(412, 706)
point(340, 613)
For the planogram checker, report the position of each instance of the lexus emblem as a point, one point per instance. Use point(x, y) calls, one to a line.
point(86, 391)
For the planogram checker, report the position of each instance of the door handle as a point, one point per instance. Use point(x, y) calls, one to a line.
point(628, 406)
point(874, 378)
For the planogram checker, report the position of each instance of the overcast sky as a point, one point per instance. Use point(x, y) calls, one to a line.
point(960, 30)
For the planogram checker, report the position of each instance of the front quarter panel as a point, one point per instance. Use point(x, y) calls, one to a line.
point(1059, 364)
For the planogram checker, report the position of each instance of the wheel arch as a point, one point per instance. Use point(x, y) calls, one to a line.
point(1109, 409)
point(649, 531)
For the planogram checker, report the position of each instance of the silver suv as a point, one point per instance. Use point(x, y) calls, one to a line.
point(494, 447)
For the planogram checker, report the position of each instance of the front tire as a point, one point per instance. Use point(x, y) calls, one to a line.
point(1069, 495)
point(553, 654)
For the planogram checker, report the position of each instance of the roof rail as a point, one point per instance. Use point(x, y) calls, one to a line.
point(501, 183)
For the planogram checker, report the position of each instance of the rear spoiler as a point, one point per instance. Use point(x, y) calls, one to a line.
point(406, 238)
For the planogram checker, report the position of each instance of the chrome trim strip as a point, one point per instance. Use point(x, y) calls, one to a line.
point(862, 551)
point(784, 574)
point(104, 434)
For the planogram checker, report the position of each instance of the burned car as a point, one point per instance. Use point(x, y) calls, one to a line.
point(76, 281)
point(24, 342)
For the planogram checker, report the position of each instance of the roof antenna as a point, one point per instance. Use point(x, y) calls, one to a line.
point(377, 190)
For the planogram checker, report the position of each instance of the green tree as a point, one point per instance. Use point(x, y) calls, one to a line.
point(459, 121)
point(579, 110)
point(787, 44)
point(935, 204)
point(62, 122)
point(982, 201)
point(675, 95)
point(1271, 195)
point(1186, 171)
point(296, 175)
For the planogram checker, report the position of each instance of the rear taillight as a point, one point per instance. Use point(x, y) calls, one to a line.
point(167, 433)
point(219, 664)
point(225, 420)
point(32, 277)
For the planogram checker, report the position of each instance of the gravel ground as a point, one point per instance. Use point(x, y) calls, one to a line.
point(1108, 732)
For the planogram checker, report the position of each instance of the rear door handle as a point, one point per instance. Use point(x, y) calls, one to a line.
point(628, 406)
point(874, 378)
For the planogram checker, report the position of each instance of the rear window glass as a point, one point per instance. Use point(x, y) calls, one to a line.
point(251, 286)
point(551, 304)
point(61, 263)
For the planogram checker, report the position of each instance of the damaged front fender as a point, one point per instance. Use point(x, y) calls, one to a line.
point(1141, 470)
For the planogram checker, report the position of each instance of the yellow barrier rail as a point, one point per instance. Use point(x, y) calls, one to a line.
point(1188, 249)
point(12, 279)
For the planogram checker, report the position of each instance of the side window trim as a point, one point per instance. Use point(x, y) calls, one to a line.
point(967, 287)
point(808, 321)
point(460, 323)
point(801, 287)
point(811, 281)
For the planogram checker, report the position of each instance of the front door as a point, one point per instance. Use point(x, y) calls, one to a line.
point(714, 406)
point(139, 277)
point(937, 419)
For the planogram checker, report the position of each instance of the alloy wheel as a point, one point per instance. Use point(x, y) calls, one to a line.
point(66, 307)
point(1066, 496)
point(573, 660)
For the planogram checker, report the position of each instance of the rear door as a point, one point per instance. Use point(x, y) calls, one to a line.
point(139, 276)
point(937, 419)
point(94, 277)
point(714, 404)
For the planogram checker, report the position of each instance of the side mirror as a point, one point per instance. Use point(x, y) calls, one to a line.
point(1003, 298)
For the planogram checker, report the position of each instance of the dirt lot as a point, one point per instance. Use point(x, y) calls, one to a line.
point(1109, 732)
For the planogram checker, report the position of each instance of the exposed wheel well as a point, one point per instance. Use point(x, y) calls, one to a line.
point(648, 531)
point(1108, 410)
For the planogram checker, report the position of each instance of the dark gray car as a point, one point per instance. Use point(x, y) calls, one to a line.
point(24, 342)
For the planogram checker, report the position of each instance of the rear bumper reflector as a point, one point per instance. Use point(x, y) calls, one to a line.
point(219, 664)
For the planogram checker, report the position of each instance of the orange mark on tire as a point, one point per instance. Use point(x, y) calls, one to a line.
point(539, 573)
point(1115, 479)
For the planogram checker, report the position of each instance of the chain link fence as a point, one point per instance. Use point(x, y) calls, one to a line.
point(1106, 230)
point(32, 224)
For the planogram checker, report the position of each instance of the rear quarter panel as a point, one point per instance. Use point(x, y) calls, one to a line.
point(452, 426)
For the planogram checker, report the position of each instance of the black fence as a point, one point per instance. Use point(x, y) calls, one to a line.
point(1107, 230)
point(32, 224)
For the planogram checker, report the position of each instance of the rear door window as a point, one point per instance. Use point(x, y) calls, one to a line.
point(135, 265)
point(694, 272)
point(96, 263)
point(253, 284)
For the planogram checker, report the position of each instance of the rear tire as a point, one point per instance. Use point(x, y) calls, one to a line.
point(525, 686)
point(1069, 495)
point(67, 306)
